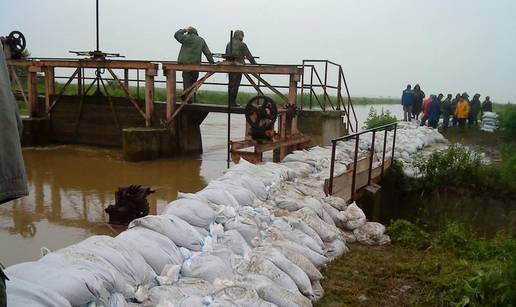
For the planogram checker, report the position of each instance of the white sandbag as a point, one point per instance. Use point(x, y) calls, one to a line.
point(325, 231)
point(318, 290)
point(207, 267)
point(219, 197)
point(317, 259)
point(194, 286)
point(22, 293)
point(302, 262)
point(349, 236)
point(246, 227)
point(258, 264)
point(129, 263)
point(353, 217)
point(334, 214)
point(299, 224)
point(194, 212)
point(301, 168)
point(240, 296)
point(372, 233)
point(78, 284)
point(244, 196)
point(281, 230)
point(336, 202)
point(156, 249)
point(298, 276)
point(279, 296)
point(336, 248)
point(162, 295)
point(173, 227)
point(169, 275)
point(260, 215)
point(233, 240)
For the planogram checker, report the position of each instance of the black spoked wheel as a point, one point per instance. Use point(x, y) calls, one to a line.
point(261, 113)
point(17, 43)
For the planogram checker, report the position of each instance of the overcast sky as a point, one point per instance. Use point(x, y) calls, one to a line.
point(446, 46)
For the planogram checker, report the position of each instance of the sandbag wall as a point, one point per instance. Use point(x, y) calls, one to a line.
point(257, 236)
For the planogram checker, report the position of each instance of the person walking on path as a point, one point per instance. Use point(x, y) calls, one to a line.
point(487, 105)
point(238, 49)
point(407, 100)
point(419, 95)
point(474, 110)
point(462, 110)
point(434, 112)
point(192, 45)
point(447, 110)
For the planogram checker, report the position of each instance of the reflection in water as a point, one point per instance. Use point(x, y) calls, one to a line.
point(70, 186)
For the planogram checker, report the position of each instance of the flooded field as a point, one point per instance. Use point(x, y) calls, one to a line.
point(70, 186)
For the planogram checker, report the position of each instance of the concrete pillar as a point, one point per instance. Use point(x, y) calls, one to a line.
point(140, 144)
point(321, 126)
point(36, 131)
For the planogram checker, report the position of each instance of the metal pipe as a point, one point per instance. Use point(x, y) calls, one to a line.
point(311, 86)
point(371, 156)
point(332, 166)
point(97, 23)
point(303, 86)
point(325, 83)
point(383, 153)
point(353, 182)
point(394, 142)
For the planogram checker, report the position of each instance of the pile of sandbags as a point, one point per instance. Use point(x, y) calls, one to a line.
point(257, 236)
point(489, 122)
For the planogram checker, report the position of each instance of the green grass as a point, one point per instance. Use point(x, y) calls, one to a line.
point(449, 267)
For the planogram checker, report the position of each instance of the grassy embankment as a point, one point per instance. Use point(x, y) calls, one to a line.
point(447, 265)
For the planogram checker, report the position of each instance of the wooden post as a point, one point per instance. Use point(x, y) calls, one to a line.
point(79, 82)
point(126, 77)
point(32, 88)
point(149, 95)
point(171, 92)
point(49, 87)
point(292, 89)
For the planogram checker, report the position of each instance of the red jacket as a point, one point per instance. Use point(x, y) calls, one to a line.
point(425, 106)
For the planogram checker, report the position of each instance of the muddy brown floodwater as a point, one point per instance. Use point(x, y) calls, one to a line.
point(70, 186)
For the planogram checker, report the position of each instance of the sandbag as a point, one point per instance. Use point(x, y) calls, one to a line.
point(353, 217)
point(194, 212)
point(246, 227)
point(298, 276)
point(156, 249)
point(240, 295)
point(279, 296)
point(22, 293)
point(317, 260)
point(219, 197)
point(173, 227)
point(336, 248)
point(233, 240)
point(372, 233)
point(302, 262)
point(326, 232)
point(243, 196)
point(207, 267)
point(258, 264)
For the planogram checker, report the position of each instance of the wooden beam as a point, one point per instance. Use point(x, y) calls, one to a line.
point(113, 64)
point(49, 86)
point(226, 67)
point(256, 87)
point(127, 94)
point(62, 90)
point(20, 85)
point(171, 92)
point(149, 96)
point(272, 88)
point(32, 89)
point(292, 89)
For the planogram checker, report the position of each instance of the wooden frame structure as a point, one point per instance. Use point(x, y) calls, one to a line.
point(47, 67)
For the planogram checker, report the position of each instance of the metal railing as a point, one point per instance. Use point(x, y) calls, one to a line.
point(356, 136)
point(326, 86)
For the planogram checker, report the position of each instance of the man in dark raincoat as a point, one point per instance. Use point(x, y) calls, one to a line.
point(407, 100)
point(417, 107)
point(447, 110)
point(192, 45)
point(454, 102)
point(237, 49)
point(474, 110)
point(434, 112)
point(487, 105)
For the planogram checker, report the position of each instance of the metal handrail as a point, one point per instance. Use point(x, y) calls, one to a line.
point(356, 136)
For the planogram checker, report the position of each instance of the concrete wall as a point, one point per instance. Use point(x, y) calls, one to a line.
point(321, 126)
point(95, 122)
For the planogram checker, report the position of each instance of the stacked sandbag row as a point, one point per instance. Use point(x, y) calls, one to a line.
point(257, 236)
point(489, 122)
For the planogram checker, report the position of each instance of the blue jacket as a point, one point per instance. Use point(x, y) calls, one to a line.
point(434, 110)
point(407, 99)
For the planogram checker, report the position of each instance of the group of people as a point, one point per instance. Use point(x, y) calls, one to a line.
point(193, 46)
point(459, 109)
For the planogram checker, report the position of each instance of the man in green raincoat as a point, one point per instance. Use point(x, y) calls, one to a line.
point(192, 45)
point(238, 49)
